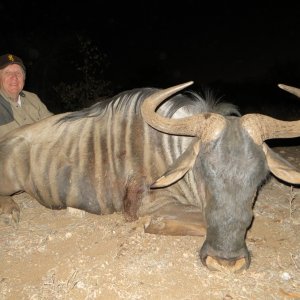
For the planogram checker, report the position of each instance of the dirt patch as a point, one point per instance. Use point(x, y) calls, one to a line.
point(62, 255)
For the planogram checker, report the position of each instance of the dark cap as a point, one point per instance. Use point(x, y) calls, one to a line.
point(9, 59)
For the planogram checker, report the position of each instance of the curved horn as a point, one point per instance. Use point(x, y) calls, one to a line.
point(261, 127)
point(189, 126)
point(293, 90)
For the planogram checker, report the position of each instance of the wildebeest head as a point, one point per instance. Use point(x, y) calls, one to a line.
point(230, 155)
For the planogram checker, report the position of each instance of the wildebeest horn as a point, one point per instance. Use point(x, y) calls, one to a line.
point(205, 125)
point(261, 127)
point(293, 90)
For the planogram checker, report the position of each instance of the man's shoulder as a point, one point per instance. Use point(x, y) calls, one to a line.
point(28, 94)
point(30, 97)
point(34, 100)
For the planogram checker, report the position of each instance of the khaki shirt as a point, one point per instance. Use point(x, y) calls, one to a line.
point(31, 110)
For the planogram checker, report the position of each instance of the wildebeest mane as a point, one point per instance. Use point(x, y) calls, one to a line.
point(191, 101)
point(204, 102)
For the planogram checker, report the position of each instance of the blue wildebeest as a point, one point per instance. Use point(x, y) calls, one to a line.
point(194, 166)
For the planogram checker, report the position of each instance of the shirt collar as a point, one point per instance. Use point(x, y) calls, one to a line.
point(19, 100)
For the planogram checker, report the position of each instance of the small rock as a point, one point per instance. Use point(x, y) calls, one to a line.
point(286, 276)
point(76, 212)
point(68, 235)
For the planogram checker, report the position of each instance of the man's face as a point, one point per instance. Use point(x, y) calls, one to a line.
point(12, 79)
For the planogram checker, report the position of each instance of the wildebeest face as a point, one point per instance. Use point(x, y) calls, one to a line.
point(230, 156)
point(233, 167)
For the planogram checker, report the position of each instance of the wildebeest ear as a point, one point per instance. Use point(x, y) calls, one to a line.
point(280, 167)
point(181, 165)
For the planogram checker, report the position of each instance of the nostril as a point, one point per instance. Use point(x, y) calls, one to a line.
point(228, 261)
point(203, 259)
point(225, 265)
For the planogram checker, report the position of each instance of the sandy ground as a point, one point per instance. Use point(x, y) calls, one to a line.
point(67, 255)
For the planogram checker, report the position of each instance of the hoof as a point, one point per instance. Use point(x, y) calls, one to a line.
point(9, 210)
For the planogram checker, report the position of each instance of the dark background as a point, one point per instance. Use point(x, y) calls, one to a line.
point(241, 50)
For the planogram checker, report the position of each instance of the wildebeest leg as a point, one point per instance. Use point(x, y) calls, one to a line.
point(14, 173)
point(177, 219)
point(9, 207)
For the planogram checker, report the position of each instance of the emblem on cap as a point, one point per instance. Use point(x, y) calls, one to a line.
point(10, 57)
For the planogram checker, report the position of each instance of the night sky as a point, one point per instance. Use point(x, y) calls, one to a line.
point(149, 43)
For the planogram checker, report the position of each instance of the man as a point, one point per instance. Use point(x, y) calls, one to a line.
point(17, 107)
